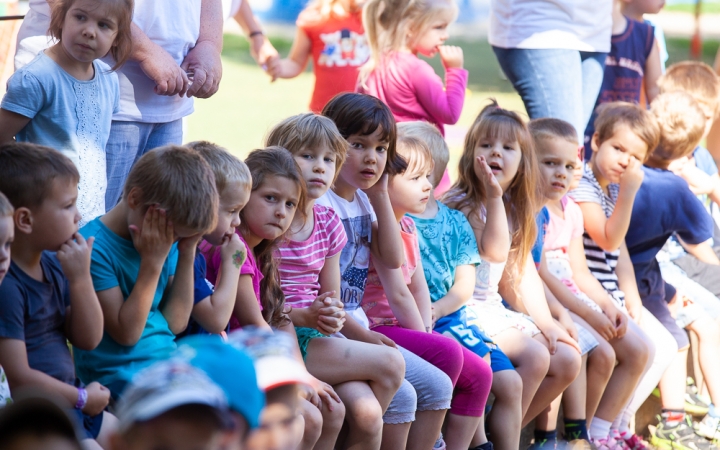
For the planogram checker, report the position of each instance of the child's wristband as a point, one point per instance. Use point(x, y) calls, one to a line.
point(82, 398)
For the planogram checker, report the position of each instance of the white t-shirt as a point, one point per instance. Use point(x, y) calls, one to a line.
point(172, 24)
point(357, 218)
point(230, 8)
point(584, 25)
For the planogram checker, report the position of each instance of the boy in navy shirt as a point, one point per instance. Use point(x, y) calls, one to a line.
point(665, 205)
point(48, 298)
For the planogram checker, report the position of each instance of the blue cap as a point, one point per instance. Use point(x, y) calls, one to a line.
point(229, 368)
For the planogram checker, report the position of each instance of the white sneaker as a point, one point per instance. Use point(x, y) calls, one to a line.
point(709, 427)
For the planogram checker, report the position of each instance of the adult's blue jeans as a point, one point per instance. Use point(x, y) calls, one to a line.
point(127, 143)
point(558, 83)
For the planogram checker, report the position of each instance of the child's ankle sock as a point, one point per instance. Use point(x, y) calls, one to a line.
point(626, 418)
point(599, 429)
point(672, 417)
point(486, 446)
point(543, 435)
point(576, 429)
point(712, 411)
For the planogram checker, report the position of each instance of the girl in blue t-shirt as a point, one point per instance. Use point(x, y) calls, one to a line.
point(65, 97)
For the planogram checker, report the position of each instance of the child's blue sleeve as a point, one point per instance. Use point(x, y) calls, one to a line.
point(25, 95)
point(102, 271)
point(202, 288)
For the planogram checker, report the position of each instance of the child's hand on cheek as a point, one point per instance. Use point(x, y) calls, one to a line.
point(189, 244)
point(233, 250)
point(632, 178)
point(156, 237)
point(487, 178)
point(379, 188)
point(74, 257)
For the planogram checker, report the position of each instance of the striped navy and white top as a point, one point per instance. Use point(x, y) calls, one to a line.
point(602, 264)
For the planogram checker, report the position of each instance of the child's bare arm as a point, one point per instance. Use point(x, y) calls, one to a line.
point(12, 124)
point(492, 234)
point(296, 61)
point(702, 251)
point(84, 317)
point(125, 319)
point(609, 232)
point(419, 290)
point(13, 359)
point(653, 71)
point(260, 47)
point(530, 297)
point(353, 330)
point(386, 245)
point(246, 309)
point(626, 280)
point(178, 305)
point(459, 293)
point(213, 313)
point(401, 301)
point(562, 293)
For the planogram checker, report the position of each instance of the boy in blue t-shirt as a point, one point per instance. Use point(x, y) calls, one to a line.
point(664, 205)
point(144, 281)
point(450, 255)
point(47, 299)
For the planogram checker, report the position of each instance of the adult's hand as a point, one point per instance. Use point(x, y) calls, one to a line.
point(170, 79)
point(204, 62)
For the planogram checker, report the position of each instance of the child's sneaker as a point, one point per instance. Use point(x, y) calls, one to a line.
point(695, 403)
point(608, 443)
point(632, 441)
point(546, 444)
point(709, 427)
point(440, 444)
point(681, 436)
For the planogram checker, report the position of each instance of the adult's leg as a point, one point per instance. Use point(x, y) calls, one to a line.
point(163, 134)
point(549, 81)
point(593, 70)
point(121, 151)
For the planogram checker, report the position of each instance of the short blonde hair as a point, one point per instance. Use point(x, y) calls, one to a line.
point(682, 125)
point(697, 79)
point(308, 131)
point(122, 47)
point(416, 152)
point(6, 209)
point(226, 167)
point(430, 135)
point(178, 180)
point(635, 117)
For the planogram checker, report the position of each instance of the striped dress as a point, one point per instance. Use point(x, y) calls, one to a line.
point(602, 264)
point(300, 262)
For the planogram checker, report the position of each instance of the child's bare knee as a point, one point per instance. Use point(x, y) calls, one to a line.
point(602, 359)
point(365, 416)
point(392, 370)
point(313, 419)
point(333, 420)
point(507, 386)
point(536, 358)
point(565, 362)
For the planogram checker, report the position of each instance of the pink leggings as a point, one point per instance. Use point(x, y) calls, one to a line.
point(471, 375)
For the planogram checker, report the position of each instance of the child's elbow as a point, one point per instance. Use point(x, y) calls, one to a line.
point(87, 343)
point(127, 339)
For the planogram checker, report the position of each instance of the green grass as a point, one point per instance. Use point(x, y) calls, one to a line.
point(248, 105)
point(707, 7)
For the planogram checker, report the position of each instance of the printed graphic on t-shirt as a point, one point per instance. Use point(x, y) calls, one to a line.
point(344, 48)
point(355, 259)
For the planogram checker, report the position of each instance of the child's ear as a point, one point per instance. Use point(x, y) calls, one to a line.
point(23, 220)
point(595, 142)
point(134, 198)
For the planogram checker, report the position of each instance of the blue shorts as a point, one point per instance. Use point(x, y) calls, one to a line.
point(90, 425)
point(456, 326)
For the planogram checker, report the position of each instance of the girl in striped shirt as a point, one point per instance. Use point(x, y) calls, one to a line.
point(365, 376)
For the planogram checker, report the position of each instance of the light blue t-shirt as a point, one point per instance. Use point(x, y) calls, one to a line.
point(115, 262)
point(446, 241)
point(71, 116)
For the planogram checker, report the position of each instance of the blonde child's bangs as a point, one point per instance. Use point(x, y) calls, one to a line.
point(497, 127)
point(418, 157)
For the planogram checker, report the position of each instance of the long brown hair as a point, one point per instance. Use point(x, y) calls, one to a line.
point(520, 197)
point(263, 163)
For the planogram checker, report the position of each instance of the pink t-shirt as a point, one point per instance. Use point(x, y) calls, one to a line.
point(302, 261)
point(375, 302)
point(413, 91)
point(249, 267)
point(560, 232)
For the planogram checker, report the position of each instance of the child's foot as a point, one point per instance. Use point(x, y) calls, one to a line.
point(579, 444)
point(608, 443)
point(679, 436)
point(695, 403)
point(709, 427)
point(632, 441)
point(546, 444)
point(440, 444)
